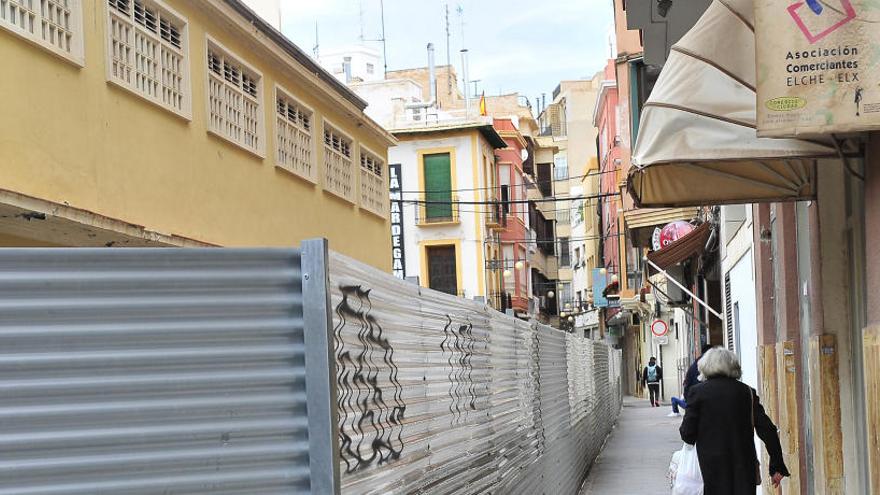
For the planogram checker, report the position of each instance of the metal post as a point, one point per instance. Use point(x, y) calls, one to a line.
point(320, 368)
point(684, 289)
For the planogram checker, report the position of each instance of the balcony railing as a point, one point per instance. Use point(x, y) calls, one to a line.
point(495, 217)
point(437, 211)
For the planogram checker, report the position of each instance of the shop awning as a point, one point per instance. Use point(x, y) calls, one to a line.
point(697, 142)
point(642, 221)
point(686, 247)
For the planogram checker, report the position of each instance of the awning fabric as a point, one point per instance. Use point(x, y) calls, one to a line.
point(697, 142)
point(686, 247)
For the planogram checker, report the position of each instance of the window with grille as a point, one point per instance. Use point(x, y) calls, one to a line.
point(234, 99)
point(55, 25)
point(374, 187)
point(293, 138)
point(338, 163)
point(147, 52)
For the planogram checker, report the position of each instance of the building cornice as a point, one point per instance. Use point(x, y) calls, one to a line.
point(318, 81)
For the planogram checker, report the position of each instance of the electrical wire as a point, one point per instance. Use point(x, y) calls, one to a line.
point(548, 181)
point(509, 202)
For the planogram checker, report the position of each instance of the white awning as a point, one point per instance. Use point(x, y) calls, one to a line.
point(697, 142)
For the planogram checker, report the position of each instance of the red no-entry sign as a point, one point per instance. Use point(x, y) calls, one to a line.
point(659, 328)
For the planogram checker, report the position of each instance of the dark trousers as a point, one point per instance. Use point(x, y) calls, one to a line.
point(654, 391)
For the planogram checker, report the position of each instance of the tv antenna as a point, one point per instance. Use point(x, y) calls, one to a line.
point(448, 57)
point(316, 48)
point(380, 40)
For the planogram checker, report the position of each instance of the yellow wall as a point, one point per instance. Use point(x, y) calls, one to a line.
point(69, 137)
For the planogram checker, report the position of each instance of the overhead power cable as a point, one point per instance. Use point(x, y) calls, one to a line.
point(567, 179)
point(509, 202)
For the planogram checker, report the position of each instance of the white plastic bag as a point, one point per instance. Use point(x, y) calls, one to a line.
point(688, 479)
point(673, 468)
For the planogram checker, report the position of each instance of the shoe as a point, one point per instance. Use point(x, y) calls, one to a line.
point(673, 415)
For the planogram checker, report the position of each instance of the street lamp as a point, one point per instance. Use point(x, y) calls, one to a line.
point(567, 305)
point(603, 271)
point(562, 314)
point(614, 278)
point(551, 294)
point(519, 265)
point(507, 273)
point(571, 319)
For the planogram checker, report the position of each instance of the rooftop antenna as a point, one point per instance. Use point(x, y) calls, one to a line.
point(382, 39)
point(316, 48)
point(384, 50)
point(361, 19)
point(448, 57)
point(460, 11)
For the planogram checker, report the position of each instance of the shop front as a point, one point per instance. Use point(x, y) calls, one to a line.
point(724, 128)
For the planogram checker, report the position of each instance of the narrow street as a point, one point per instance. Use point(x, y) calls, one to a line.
point(636, 457)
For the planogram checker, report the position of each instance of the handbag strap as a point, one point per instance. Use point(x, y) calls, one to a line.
point(751, 407)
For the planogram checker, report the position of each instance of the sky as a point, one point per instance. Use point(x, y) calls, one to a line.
point(524, 46)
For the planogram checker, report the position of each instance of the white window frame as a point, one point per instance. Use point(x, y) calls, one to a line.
point(383, 181)
point(186, 85)
point(316, 136)
point(355, 163)
point(76, 55)
point(260, 150)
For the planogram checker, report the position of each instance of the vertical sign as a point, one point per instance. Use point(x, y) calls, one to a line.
point(817, 66)
point(600, 281)
point(398, 252)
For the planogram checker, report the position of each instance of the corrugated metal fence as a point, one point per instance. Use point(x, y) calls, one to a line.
point(187, 371)
point(442, 395)
point(146, 371)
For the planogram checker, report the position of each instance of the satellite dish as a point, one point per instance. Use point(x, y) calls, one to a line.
point(524, 153)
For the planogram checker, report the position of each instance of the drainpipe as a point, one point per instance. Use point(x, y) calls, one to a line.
point(432, 82)
point(467, 82)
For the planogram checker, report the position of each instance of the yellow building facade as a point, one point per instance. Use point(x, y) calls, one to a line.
point(141, 122)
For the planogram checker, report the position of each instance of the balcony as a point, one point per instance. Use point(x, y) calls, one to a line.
point(434, 211)
point(495, 217)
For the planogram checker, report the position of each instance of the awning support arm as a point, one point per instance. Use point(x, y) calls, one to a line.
point(684, 289)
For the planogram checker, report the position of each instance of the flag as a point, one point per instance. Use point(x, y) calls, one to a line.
point(483, 104)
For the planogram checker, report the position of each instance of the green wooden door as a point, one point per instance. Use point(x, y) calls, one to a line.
point(438, 187)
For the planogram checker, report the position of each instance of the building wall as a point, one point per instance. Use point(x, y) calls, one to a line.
point(469, 232)
point(72, 138)
point(387, 99)
point(366, 63)
point(446, 79)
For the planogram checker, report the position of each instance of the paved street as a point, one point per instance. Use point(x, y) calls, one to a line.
point(636, 457)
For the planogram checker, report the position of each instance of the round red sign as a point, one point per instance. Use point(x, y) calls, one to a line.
point(673, 232)
point(659, 328)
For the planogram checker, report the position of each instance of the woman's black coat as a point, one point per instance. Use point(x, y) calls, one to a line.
point(719, 422)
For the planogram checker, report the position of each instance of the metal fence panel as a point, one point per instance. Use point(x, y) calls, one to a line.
point(441, 395)
point(145, 371)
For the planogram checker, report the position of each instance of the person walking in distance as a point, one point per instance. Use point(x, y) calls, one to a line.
point(690, 379)
point(651, 376)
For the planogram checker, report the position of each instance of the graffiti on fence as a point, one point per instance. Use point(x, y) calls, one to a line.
point(371, 428)
point(535, 371)
point(458, 348)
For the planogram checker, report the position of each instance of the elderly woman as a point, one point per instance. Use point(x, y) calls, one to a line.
point(722, 416)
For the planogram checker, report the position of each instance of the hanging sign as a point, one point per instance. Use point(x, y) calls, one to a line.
point(674, 231)
point(659, 328)
point(398, 251)
point(817, 66)
point(655, 239)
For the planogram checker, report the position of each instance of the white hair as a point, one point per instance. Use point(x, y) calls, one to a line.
point(719, 362)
